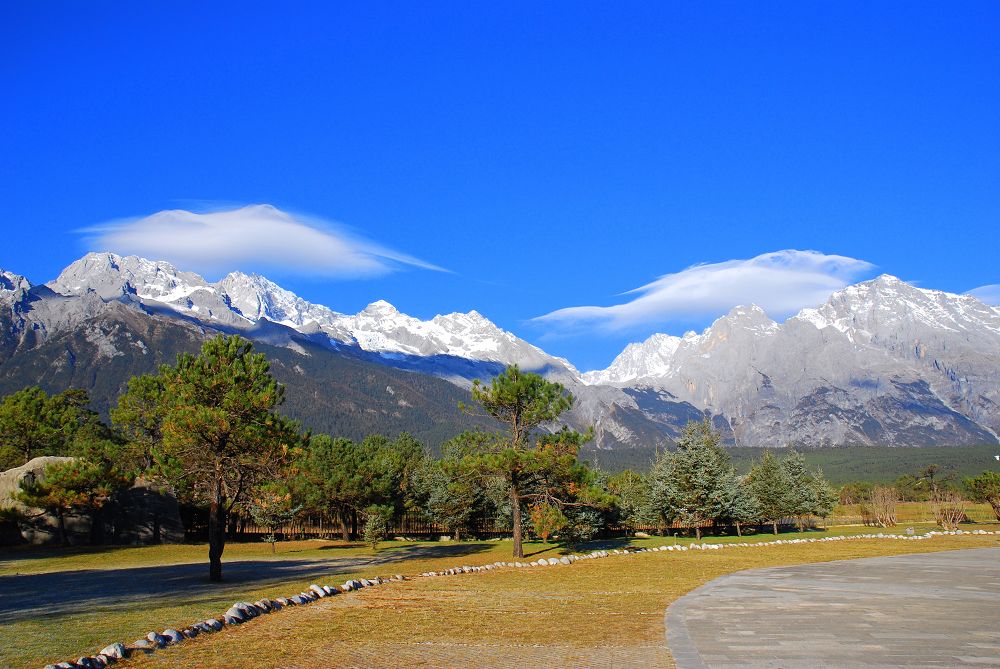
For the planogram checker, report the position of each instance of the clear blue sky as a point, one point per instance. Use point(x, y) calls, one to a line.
point(549, 155)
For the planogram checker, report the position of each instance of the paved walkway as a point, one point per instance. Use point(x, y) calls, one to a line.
point(925, 610)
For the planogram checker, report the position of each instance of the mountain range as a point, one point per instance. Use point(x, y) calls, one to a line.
point(880, 363)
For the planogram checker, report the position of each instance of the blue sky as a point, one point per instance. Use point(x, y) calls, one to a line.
point(548, 156)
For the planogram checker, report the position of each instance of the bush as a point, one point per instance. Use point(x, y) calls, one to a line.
point(949, 510)
point(376, 525)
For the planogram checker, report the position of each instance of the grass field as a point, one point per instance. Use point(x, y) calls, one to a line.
point(611, 608)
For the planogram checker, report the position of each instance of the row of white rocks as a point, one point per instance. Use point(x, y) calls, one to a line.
point(238, 613)
point(570, 559)
point(241, 612)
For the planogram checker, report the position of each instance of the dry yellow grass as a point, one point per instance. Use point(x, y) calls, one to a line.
point(605, 612)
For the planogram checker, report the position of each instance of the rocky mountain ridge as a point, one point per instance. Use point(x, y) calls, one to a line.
point(881, 362)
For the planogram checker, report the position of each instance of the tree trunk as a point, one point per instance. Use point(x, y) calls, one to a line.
point(697, 532)
point(63, 534)
point(739, 531)
point(458, 534)
point(515, 504)
point(345, 528)
point(216, 532)
point(97, 526)
point(774, 527)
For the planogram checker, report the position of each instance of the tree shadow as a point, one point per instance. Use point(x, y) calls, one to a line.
point(54, 594)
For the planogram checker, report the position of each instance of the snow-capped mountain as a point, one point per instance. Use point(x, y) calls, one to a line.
point(11, 283)
point(844, 372)
point(246, 299)
point(881, 362)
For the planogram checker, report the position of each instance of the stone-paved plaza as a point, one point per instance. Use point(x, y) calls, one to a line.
point(924, 610)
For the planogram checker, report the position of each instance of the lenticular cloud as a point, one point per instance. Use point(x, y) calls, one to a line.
point(781, 282)
point(259, 235)
point(987, 294)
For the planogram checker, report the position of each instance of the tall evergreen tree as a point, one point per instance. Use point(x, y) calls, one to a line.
point(825, 495)
point(801, 494)
point(744, 506)
point(694, 485)
point(533, 468)
point(450, 494)
point(770, 486)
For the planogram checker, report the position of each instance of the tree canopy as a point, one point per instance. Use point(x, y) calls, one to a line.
point(212, 428)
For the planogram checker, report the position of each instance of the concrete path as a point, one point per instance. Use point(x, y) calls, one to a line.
point(925, 610)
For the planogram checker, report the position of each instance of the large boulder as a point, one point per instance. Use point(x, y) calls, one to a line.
point(143, 514)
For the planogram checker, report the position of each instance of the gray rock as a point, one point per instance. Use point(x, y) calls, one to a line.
point(115, 650)
point(157, 639)
point(172, 636)
point(564, 560)
point(235, 613)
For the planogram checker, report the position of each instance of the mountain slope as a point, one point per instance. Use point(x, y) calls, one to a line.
point(882, 362)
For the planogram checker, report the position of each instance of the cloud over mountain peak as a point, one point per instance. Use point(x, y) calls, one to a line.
point(259, 236)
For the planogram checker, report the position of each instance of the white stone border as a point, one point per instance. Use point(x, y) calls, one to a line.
point(241, 612)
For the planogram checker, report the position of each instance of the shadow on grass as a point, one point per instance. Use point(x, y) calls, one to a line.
point(26, 552)
point(49, 595)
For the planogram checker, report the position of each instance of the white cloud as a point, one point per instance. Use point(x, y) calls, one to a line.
point(988, 294)
point(782, 283)
point(257, 236)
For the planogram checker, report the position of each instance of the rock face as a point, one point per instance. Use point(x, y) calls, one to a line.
point(882, 362)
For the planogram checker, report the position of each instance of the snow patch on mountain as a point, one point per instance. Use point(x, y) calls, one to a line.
point(246, 299)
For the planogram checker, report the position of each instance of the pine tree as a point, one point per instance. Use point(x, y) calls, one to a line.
point(70, 486)
point(801, 498)
point(219, 435)
point(825, 495)
point(770, 486)
point(744, 506)
point(534, 468)
point(695, 484)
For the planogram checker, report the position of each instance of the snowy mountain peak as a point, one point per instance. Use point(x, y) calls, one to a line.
point(380, 308)
point(651, 358)
point(258, 297)
point(111, 276)
point(241, 299)
point(11, 282)
point(752, 315)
